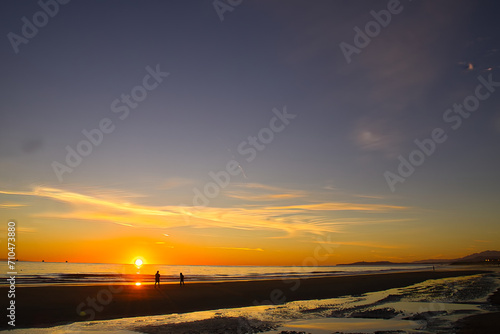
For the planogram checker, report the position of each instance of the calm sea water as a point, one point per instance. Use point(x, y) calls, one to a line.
point(89, 273)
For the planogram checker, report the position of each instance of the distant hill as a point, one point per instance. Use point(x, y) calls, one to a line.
point(473, 258)
point(364, 263)
point(486, 256)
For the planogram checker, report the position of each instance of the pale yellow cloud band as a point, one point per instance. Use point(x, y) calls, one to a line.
point(290, 219)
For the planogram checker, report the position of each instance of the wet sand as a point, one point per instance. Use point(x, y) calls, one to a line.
point(488, 323)
point(50, 305)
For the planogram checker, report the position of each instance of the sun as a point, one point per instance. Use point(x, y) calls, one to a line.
point(138, 262)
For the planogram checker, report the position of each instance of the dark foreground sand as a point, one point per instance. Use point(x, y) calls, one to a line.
point(51, 305)
point(488, 323)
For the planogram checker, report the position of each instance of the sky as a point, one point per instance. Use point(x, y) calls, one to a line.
point(249, 132)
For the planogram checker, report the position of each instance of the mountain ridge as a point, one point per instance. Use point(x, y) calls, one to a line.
point(485, 256)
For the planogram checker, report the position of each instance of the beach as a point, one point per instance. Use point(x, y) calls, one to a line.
point(52, 305)
point(487, 323)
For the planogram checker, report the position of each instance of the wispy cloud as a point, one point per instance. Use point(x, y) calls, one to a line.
point(315, 218)
point(11, 205)
point(124, 224)
point(260, 186)
point(365, 244)
point(175, 182)
point(27, 229)
point(77, 198)
point(268, 197)
point(241, 249)
point(339, 206)
point(373, 133)
point(262, 193)
point(368, 196)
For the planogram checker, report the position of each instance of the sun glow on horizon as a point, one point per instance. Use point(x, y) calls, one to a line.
point(138, 262)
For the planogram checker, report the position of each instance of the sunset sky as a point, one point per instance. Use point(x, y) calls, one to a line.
point(300, 135)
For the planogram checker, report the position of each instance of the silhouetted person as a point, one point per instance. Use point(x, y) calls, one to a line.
point(434, 269)
point(157, 278)
point(182, 279)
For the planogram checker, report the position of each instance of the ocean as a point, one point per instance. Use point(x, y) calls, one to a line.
point(41, 273)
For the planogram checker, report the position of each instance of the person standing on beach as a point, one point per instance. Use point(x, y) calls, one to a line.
point(157, 278)
point(182, 279)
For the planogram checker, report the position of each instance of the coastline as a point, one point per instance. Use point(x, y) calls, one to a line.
point(46, 306)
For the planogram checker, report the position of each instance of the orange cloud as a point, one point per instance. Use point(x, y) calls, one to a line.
point(11, 205)
point(364, 244)
point(241, 249)
point(339, 206)
point(291, 219)
point(261, 192)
